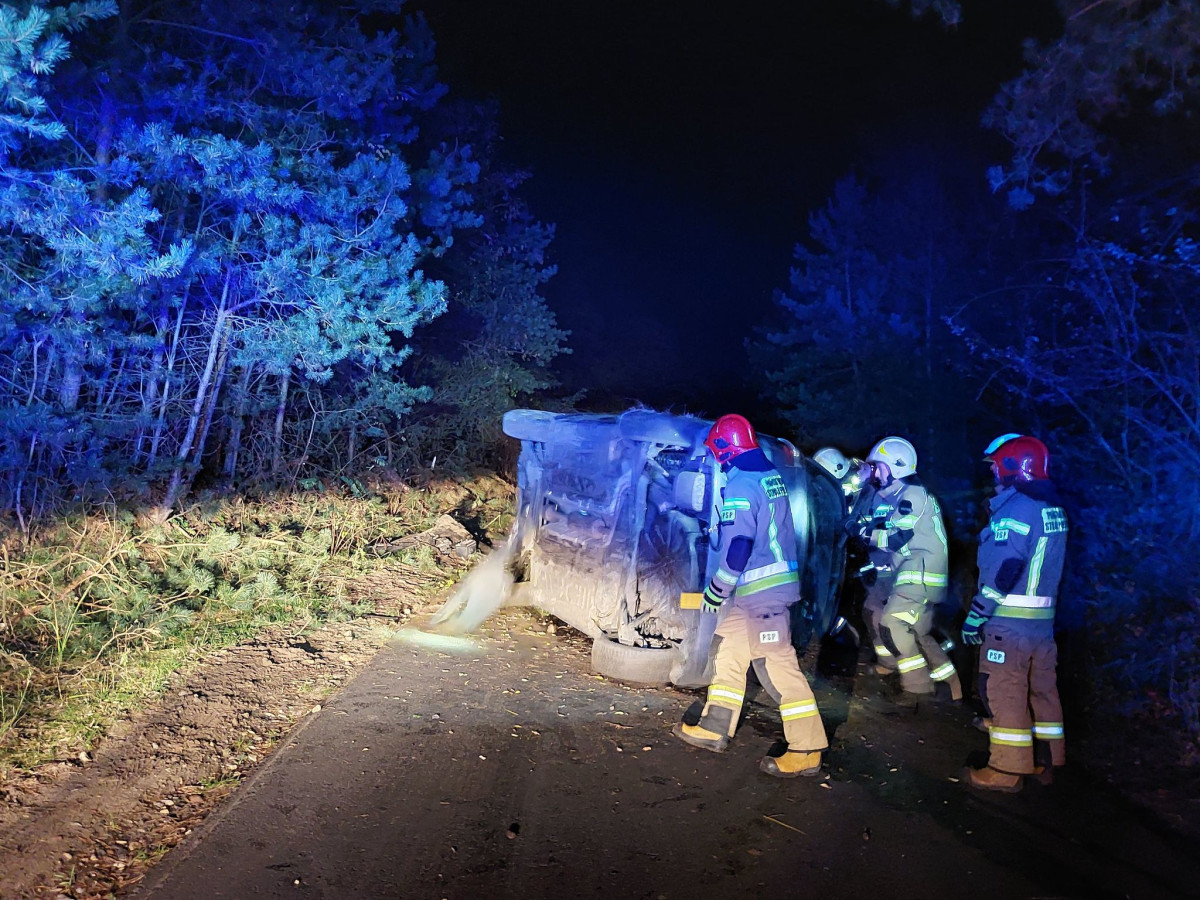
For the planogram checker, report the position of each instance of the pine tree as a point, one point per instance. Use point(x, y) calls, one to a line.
point(494, 348)
point(213, 252)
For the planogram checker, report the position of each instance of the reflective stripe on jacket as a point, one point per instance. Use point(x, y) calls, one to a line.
point(914, 534)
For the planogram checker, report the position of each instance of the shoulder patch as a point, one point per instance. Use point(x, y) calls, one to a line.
point(730, 507)
point(774, 487)
point(1054, 520)
point(905, 507)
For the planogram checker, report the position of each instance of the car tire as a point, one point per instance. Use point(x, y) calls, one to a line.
point(638, 665)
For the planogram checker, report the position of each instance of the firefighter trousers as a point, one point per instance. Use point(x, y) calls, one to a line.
point(905, 626)
point(1018, 685)
point(762, 638)
point(873, 605)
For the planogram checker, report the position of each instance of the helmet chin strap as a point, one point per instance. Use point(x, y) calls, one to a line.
point(1023, 475)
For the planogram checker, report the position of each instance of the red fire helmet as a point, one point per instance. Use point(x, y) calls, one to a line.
point(731, 436)
point(1023, 458)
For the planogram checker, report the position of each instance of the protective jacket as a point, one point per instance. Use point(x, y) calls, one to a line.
point(1021, 554)
point(908, 530)
point(758, 561)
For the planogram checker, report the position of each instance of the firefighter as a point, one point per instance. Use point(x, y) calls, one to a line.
point(851, 474)
point(1021, 554)
point(877, 577)
point(756, 580)
point(906, 531)
point(981, 722)
point(864, 564)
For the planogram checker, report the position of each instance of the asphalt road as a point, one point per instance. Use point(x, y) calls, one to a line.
point(498, 767)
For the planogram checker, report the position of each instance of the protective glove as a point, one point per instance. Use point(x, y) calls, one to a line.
point(972, 633)
point(869, 574)
point(854, 525)
point(711, 602)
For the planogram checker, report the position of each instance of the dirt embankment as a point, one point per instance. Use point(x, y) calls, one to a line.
point(92, 826)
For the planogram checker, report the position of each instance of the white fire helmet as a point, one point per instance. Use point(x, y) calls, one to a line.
point(898, 454)
point(833, 461)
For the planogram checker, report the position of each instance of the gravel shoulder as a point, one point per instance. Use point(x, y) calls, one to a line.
point(95, 825)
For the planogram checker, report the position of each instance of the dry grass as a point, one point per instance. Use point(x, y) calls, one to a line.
point(97, 610)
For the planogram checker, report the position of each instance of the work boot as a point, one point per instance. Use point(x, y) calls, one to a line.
point(1043, 775)
point(989, 779)
point(981, 723)
point(948, 690)
point(701, 737)
point(883, 671)
point(792, 763)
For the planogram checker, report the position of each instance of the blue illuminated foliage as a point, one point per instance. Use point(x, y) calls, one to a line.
point(32, 47)
point(1111, 60)
point(216, 224)
point(1099, 122)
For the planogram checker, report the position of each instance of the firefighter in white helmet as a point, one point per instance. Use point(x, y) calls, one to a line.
point(876, 575)
point(851, 474)
point(1021, 554)
point(756, 580)
point(906, 528)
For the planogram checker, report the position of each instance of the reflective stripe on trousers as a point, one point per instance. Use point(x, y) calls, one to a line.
point(761, 639)
point(1017, 677)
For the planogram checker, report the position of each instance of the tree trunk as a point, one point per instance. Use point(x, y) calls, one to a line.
point(36, 346)
point(160, 424)
point(178, 484)
point(280, 409)
point(238, 424)
point(150, 394)
point(72, 381)
point(351, 448)
point(213, 396)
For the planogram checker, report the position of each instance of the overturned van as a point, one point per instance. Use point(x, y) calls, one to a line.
point(614, 536)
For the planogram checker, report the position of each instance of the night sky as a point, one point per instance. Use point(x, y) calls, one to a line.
point(680, 147)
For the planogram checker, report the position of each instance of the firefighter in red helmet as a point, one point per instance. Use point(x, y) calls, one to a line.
point(756, 580)
point(1021, 553)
